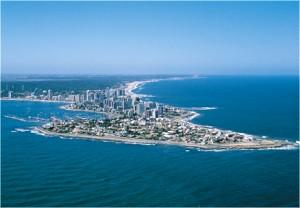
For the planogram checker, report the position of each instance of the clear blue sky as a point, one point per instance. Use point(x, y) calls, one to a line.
point(147, 38)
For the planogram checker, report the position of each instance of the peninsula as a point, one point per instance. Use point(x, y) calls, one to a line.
point(127, 118)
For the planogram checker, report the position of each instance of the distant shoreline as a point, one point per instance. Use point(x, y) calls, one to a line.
point(136, 84)
point(34, 100)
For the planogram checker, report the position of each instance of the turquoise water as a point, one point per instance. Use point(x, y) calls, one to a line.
point(53, 171)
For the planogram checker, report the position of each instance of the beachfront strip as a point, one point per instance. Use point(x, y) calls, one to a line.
point(128, 118)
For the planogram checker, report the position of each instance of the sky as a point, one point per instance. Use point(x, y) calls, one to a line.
point(150, 38)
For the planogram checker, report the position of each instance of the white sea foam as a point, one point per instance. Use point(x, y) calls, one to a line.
point(36, 119)
point(21, 130)
point(193, 116)
point(287, 147)
point(61, 137)
point(37, 132)
point(147, 144)
point(201, 108)
point(16, 118)
point(144, 96)
point(213, 150)
point(29, 119)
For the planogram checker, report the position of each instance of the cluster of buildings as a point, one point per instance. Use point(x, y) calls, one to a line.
point(111, 100)
point(49, 95)
point(45, 95)
point(159, 129)
point(116, 103)
point(130, 117)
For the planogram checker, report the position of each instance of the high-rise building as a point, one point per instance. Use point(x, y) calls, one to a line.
point(154, 113)
point(120, 92)
point(87, 95)
point(135, 101)
point(160, 109)
point(98, 96)
point(81, 98)
point(60, 98)
point(148, 113)
point(127, 103)
point(77, 98)
point(92, 97)
point(130, 113)
point(10, 94)
point(140, 108)
point(118, 104)
point(49, 95)
point(106, 92)
point(151, 105)
point(71, 98)
point(110, 103)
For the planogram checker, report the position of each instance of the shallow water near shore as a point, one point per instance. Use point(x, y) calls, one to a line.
point(54, 171)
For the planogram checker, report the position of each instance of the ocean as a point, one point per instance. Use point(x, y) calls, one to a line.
point(54, 171)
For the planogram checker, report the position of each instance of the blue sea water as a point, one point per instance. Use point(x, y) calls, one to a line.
point(260, 105)
point(53, 171)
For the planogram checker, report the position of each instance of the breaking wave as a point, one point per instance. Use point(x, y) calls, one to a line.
point(16, 118)
point(21, 130)
point(201, 108)
point(37, 132)
point(29, 119)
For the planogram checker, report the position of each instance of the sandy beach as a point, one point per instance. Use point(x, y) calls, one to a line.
point(135, 84)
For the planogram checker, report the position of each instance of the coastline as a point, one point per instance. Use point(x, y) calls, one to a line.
point(136, 84)
point(63, 107)
point(259, 144)
point(34, 100)
point(131, 86)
